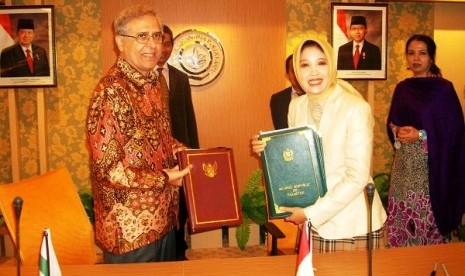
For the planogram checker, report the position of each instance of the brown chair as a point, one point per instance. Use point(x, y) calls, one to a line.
point(50, 201)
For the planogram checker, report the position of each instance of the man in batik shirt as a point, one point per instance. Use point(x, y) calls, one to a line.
point(134, 181)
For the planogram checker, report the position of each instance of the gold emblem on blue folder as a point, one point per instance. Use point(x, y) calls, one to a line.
point(288, 155)
point(210, 169)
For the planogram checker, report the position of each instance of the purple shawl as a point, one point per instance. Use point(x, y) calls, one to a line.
point(432, 104)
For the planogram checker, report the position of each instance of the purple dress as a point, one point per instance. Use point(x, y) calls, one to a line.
point(427, 189)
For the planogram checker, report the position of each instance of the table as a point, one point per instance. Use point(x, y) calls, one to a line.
point(417, 260)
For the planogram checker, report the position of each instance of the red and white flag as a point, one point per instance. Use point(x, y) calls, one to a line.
point(304, 258)
point(341, 23)
point(341, 35)
point(6, 36)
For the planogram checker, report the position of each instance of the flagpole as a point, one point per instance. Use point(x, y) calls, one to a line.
point(309, 225)
point(48, 252)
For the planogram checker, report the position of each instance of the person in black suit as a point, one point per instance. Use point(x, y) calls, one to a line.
point(183, 123)
point(279, 103)
point(369, 54)
point(24, 59)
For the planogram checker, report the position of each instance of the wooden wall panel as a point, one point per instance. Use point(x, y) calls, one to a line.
point(449, 25)
point(236, 105)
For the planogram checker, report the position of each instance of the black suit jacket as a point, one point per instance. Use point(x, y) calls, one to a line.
point(184, 128)
point(182, 114)
point(279, 105)
point(14, 64)
point(370, 57)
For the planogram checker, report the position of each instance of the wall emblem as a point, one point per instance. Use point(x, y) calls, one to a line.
point(199, 55)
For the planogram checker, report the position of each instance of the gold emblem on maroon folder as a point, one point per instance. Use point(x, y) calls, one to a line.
point(288, 155)
point(210, 169)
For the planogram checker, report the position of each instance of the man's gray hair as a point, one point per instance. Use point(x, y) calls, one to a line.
point(130, 13)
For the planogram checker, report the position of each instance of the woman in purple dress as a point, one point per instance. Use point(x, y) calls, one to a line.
point(426, 127)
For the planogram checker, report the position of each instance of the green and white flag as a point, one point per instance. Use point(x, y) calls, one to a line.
point(48, 263)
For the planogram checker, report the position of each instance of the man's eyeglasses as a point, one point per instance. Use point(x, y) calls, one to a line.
point(144, 37)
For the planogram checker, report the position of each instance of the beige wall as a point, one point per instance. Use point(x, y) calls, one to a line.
point(236, 105)
point(449, 35)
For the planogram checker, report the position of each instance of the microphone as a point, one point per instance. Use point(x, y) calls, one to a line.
point(18, 205)
point(370, 188)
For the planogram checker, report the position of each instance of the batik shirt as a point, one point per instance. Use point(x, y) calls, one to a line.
point(130, 142)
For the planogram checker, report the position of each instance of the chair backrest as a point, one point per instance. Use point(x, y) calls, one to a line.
point(50, 201)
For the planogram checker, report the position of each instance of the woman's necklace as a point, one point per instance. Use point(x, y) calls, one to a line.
point(316, 109)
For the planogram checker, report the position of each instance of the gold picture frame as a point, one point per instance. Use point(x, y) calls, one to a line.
point(347, 22)
point(24, 28)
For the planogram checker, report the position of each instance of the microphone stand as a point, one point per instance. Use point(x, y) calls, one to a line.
point(297, 239)
point(370, 188)
point(18, 205)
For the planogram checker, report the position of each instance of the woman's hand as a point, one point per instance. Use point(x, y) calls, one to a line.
point(175, 175)
point(407, 134)
point(297, 215)
point(257, 145)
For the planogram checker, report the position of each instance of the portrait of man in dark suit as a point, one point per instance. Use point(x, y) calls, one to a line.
point(358, 54)
point(24, 58)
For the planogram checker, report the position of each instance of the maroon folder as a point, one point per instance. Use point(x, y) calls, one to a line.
point(210, 189)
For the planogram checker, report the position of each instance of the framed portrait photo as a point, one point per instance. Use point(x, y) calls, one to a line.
point(359, 40)
point(27, 46)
